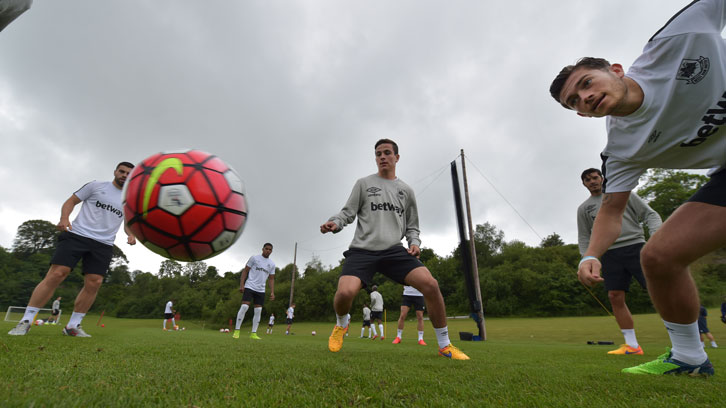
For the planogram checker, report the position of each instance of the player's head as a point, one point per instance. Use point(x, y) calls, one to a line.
point(386, 155)
point(122, 171)
point(593, 87)
point(266, 249)
point(592, 180)
point(374, 288)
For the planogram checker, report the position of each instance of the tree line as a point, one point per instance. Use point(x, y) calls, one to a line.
point(516, 279)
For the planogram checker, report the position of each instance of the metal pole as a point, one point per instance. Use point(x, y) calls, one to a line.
point(475, 271)
point(294, 270)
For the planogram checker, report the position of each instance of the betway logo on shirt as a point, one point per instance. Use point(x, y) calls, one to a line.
point(386, 207)
point(109, 208)
point(713, 118)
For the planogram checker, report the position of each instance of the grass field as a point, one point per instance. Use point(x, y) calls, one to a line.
point(526, 362)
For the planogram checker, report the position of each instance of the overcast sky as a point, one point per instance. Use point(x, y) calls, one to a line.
point(294, 94)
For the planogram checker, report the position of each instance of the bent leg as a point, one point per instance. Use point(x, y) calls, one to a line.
point(87, 295)
point(45, 289)
point(692, 231)
point(421, 279)
point(620, 309)
point(348, 288)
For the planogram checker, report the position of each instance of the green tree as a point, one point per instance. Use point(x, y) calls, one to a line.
point(34, 236)
point(552, 240)
point(665, 190)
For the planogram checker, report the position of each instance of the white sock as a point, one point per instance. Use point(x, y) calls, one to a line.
point(373, 329)
point(442, 336)
point(173, 323)
point(343, 320)
point(420, 335)
point(164, 325)
point(630, 339)
point(714, 345)
point(76, 319)
point(241, 315)
point(399, 332)
point(686, 343)
point(380, 326)
point(362, 330)
point(30, 313)
point(256, 318)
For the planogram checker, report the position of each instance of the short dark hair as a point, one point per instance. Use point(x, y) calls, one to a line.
point(126, 164)
point(267, 244)
point(588, 171)
point(561, 78)
point(374, 288)
point(384, 141)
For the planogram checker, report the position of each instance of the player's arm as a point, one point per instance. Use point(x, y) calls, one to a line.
point(243, 278)
point(66, 209)
point(604, 232)
point(412, 229)
point(647, 215)
point(346, 215)
point(271, 281)
point(130, 237)
point(584, 229)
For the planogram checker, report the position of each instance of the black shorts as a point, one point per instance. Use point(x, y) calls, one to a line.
point(620, 265)
point(168, 316)
point(55, 312)
point(71, 248)
point(394, 263)
point(257, 298)
point(377, 315)
point(713, 192)
point(702, 326)
point(366, 323)
point(415, 302)
point(288, 321)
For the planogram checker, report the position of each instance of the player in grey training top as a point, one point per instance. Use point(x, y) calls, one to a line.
point(90, 238)
point(622, 260)
point(386, 210)
point(667, 111)
point(55, 312)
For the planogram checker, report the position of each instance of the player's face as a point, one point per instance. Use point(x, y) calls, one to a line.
point(595, 92)
point(119, 176)
point(593, 182)
point(266, 251)
point(386, 159)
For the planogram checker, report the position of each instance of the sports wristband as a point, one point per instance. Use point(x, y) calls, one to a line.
point(587, 258)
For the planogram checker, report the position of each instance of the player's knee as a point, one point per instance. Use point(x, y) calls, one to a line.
point(429, 287)
point(57, 273)
point(92, 282)
point(616, 297)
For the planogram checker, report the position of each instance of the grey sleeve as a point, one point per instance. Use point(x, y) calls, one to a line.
point(584, 229)
point(412, 229)
point(646, 214)
point(349, 211)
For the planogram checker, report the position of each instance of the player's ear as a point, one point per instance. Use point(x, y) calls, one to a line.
point(618, 70)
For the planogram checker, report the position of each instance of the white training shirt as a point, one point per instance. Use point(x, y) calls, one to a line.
point(411, 291)
point(682, 121)
point(168, 307)
point(100, 216)
point(260, 270)
point(56, 304)
point(272, 320)
point(290, 312)
point(376, 301)
point(366, 313)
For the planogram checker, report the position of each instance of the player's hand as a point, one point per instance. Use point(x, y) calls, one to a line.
point(329, 226)
point(272, 296)
point(242, 290)
point(414, 250)
point(131, 240)
point(589, 272)
point(64, 225)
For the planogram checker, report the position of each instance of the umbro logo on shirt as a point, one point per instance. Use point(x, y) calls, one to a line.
point(373, 191)
point(693, 71)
